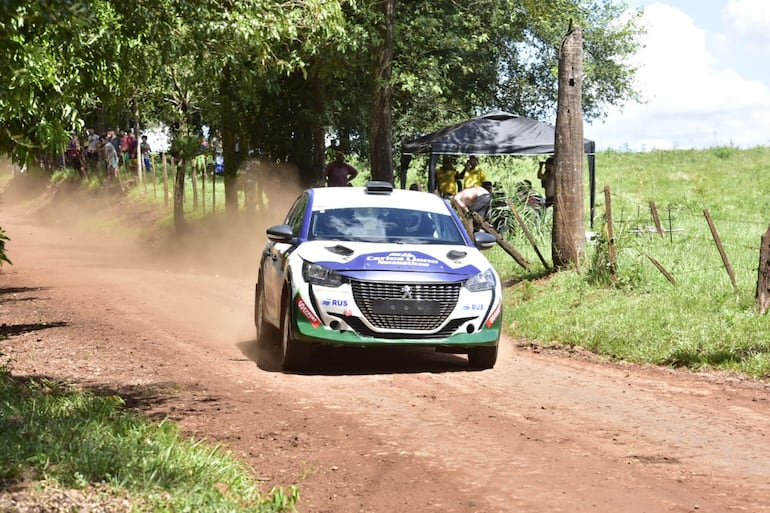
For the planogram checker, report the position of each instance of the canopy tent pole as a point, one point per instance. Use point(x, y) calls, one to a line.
point(592, 180)
point(432, 186)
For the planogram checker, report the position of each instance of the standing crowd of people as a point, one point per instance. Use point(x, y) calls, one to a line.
point(104, 156)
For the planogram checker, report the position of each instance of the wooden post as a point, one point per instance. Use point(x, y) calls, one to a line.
point(527, 232)
point(165, 179)
point(153, 174)
point(763, 278)
point(203, 189)
point(655, 218)
point(665, 273)
point(721, 249)
point(489, 228)
point(502, 242)
point(213, 193)
point(195, 182)
point(610, 235)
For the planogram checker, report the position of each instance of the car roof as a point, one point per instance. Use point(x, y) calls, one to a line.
point(326, 198)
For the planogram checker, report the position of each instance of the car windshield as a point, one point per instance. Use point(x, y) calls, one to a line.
point(395, 225)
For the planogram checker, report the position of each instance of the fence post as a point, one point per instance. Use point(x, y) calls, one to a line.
point(610, 234)
point(527, 232)
point(194, 168)
point(655, 218)
point(763, 279)
point(165, 179)
point(213, 193)
point(662, 269)
point(721, 249)
point(203, 189)
point(463, 211)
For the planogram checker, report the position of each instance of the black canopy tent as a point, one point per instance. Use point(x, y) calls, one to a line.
point(495, 133)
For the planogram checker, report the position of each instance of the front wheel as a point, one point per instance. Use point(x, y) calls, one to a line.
point(483, 357)
point(266, 333)
point(295, 355)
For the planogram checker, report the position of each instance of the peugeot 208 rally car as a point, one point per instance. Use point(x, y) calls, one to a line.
point(374, 266)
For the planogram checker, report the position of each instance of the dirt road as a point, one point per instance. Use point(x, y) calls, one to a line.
point(375, 431)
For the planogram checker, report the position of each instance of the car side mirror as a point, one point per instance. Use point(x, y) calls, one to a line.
point(280, 233)
point(484, 240)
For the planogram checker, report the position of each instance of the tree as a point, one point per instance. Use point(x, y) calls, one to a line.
point(47, 51)
point(453, 62)
point(568, 240)
point(381, 121)
point(282, 79)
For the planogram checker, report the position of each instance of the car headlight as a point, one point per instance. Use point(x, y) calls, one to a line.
point(483, 281)
point(316, 274)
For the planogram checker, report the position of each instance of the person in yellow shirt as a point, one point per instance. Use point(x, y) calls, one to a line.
point(473, 175)
point(446, 177)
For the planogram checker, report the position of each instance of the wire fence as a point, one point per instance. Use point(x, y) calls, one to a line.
point(678, 235)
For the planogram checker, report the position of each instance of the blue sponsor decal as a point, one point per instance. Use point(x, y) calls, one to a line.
point(408, 259)
point(342, 303)
point(398, 261)
point(478, 307)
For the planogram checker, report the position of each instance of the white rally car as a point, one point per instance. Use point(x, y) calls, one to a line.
point(374, 266)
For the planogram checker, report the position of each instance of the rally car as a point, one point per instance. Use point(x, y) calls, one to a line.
point(375, 266)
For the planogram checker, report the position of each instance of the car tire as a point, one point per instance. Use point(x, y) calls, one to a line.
point(294, 354)
point(267, 335)
point(483, 357)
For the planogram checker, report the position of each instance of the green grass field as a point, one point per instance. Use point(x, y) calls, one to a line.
point(701, 321)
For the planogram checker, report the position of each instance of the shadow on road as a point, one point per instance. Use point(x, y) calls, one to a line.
point(341, 361)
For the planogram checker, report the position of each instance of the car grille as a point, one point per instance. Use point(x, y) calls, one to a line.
point(416, 306)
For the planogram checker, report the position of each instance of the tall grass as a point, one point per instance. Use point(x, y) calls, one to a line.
point(701, 321)
point(70, 439)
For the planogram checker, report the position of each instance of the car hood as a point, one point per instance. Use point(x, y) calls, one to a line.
point(380, 261)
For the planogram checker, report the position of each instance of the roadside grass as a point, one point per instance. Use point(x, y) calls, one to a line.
point(700, 322)
point(62, 438)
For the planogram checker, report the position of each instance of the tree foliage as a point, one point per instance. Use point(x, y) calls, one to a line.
point(283, 79)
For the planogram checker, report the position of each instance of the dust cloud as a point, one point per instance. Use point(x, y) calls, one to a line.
point(133, 232)
point(119, 250)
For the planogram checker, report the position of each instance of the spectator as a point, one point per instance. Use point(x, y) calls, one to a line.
point(339, 173)
point(133, 147)
point(114, 139)
point(219, 159)
point(446, 177)
point(146, 150)
point(92, 151)
point(110, 155)
point(73, 155)
point(547, 180)
point(472, 175)
point(476, 199)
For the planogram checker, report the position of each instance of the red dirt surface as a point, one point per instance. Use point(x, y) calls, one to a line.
point(172, 332)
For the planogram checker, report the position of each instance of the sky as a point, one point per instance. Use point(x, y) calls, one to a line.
point(703, 76)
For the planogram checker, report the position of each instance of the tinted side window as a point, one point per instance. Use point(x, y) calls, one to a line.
point(296, 214)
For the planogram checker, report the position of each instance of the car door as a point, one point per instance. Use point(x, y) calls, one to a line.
point(276, 260)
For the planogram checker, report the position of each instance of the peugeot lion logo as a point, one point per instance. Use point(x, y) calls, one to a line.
point(406, 292)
